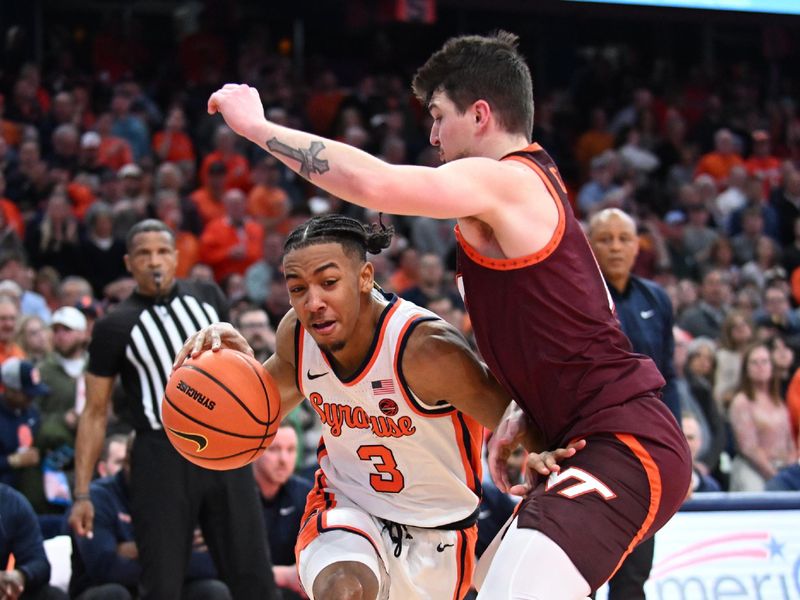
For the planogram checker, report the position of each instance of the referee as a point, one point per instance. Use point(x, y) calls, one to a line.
point(169, 495)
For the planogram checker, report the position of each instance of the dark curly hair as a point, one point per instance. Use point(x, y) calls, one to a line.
point(356, 238)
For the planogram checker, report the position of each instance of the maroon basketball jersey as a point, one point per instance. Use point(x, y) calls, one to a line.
point(546, 327)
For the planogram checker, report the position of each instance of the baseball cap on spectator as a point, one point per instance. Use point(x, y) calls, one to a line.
point(69, 317)
point(90, 139)
point(23, 376)
point(130, 170)
point(217, 168)
point(90, 307)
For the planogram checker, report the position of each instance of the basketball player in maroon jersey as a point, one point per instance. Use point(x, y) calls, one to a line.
point(542, 316)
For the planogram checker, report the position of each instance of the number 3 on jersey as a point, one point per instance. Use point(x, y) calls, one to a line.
point(387, 479)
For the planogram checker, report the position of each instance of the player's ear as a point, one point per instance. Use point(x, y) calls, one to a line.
point(366, 278)
point(481, 112)
point(127, 260)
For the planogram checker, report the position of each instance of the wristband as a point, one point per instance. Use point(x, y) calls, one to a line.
point(79, 497)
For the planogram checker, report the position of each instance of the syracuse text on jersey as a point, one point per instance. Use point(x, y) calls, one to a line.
point(336, 416)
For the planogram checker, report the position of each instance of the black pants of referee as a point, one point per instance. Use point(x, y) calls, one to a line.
point(170, 496)
point(628, 582)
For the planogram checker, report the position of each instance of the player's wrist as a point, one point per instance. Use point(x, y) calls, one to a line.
point(260, 131)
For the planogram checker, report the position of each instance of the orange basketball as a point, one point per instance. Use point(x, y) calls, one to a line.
point(221, 409)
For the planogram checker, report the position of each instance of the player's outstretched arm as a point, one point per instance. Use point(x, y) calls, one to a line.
point(461, 188)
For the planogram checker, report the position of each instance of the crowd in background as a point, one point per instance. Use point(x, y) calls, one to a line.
point(707, 162)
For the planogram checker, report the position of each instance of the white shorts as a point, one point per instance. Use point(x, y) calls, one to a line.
point(418, 564)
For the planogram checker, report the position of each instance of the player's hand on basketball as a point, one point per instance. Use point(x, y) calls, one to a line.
point(214, 338)
point(505, 439)
point(545, 463)
point(81, 518)
point(240, 106)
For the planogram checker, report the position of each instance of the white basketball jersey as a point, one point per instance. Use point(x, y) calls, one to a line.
point(397, 458)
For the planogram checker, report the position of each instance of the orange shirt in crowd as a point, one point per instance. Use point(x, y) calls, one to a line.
point(401, 282)
point(718, 166)
point(10, 132)
point(766, 168)
point(267, 204)
point(173, 146)
point(591, 144)
point(10, 350)
point(188, 247)
point(13, 216)
point(237, 170)
point(220, 237)
point(208, 206)
point(114, 152)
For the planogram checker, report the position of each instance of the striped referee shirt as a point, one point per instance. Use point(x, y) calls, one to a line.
point(139, 339)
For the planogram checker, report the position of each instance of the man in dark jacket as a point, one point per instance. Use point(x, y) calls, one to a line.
point(27, 571)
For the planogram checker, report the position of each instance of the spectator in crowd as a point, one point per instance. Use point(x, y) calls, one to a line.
point(208, 197)
point(19, 426)
point(114, 151)
point(237, 169)
point(787, 480)
point(114, 455)
point(735, 337)
point(701, 480)
point(128, 126)
point(232, 243)
point(406, 275)
point(594, 141)
point(14, 267)
point(787, 206)
point(718, 164)
point(168, 209)
point(106, 566)
point(283, 498)
point(100, 251)
point(9, 319)
point(259, 275)
point(33, 336)
point(62, 372)
point(699, 373)
point(760, 422)
point(267, 201)
point(600, 191)
point(431, 283)
point(72, 289)
point(253, 323)
point(777, 317)
point(173, 145)
point(52, 239)
point(27, 572)
point(170, 177)
point(706, 316)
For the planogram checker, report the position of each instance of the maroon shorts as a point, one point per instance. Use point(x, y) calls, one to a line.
point(619, 490)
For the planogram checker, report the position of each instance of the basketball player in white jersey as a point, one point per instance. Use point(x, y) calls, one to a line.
point(402, 398)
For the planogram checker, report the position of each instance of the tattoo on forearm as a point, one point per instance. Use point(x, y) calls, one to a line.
point(309, 163)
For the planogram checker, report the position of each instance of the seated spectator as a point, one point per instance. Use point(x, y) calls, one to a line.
point(34, 337)
point(735, 337)
point(101, 252)
point(253, 323)
point(431, 283)
point(73, 288)
point(267, 201)
point(62, 372)
point(701, 480)
point(762, 163)
point(27, 573)
point(760, 422)
point(237, 169)
point(114, 152)
point(172, 144)
point(208, 197)
point(706, 316)
point(170, 178)
point(777, 317)
point(406, 275)
point(787, 206)
point(232, 243)
point(600, 191)
point(9, 318)
point(259, 275)
point(105, 566)
point(718, 164)
point(19, 426)
point(283, 497)
point(14, 267)
point(168, 209)
point(52, 239)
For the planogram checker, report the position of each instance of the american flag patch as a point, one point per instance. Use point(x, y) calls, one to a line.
point(383, 386)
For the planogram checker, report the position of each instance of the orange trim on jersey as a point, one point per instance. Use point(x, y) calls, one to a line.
point(509, 264)
point(465, 561)
point(412, 404)
point(470, 451)
point(299, 345)
point(376, 349)
point(654, 479)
